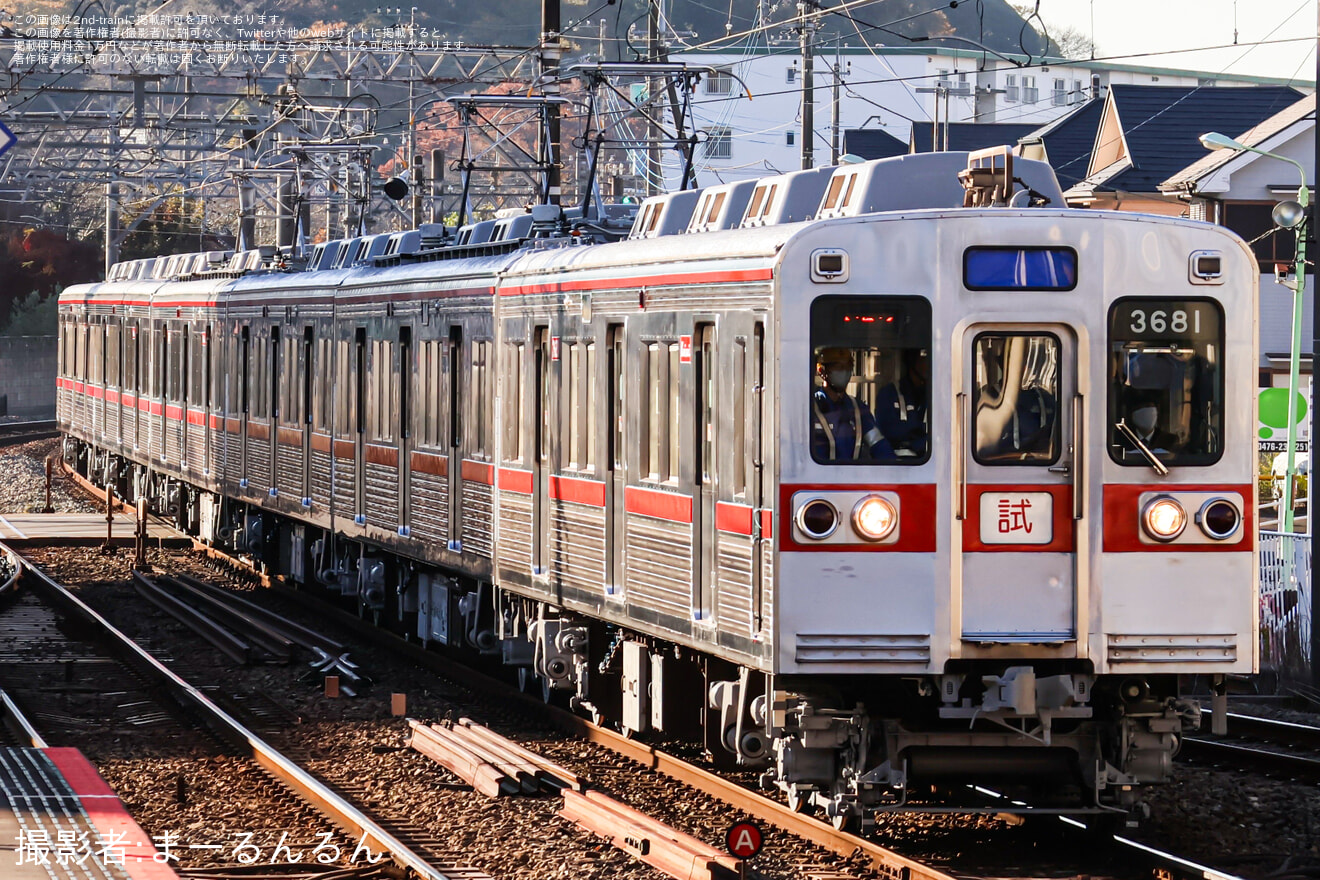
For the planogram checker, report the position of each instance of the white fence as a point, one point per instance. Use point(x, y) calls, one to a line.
point(1285, 605)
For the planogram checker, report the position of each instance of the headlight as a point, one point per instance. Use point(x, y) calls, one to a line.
point(1219, 518)
point(817, 519)
point(874, 518)
point(1164, 518)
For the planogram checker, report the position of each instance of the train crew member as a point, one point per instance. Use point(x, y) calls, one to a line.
point(837, 415)
point(901, 408)
point(1144, 419)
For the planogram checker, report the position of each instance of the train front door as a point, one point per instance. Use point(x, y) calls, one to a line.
point(1016, 484)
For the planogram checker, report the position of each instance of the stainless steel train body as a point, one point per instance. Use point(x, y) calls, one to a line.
point(604, 463)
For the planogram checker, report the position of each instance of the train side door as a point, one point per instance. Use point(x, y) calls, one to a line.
point(360, 424)
point(405, 426)
point(1015, 491)
point(454, 365)
point(541, 433)
point(308, 374)
point(703, 526)
point(615, 477)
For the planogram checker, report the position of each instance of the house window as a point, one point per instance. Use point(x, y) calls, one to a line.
point(1077, 93)
point(1060, 95)
point(1011, 87)
point(719, 143)
point(790, 137)
point(1030, 94)
point(790, 74)
point(944, 80)
point(720, 82)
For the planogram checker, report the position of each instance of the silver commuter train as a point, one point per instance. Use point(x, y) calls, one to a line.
point(608, 464)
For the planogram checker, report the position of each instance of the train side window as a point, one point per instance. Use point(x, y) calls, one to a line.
point(343, 359)
point(870, 363)
point(741, 418)
point(513, 401)
point(481, 399)
point(1166, 385)
point(652, 369)
point(112, 355)
point(197, 369)
point(455, 397)
point(589, 397)
point(616, 409)
point(572, 387)
point(1015, 399)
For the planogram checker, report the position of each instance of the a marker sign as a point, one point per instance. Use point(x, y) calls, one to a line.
point(7, 139)
point(743, 840)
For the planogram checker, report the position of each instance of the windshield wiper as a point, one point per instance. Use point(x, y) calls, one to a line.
point(1126, 430)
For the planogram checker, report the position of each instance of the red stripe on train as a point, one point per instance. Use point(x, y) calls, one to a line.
point(513, 481)
point(578, 491)
point(478, 472)
point(718, 277)
point(661, 505)
point(1122, 519)
point(916, 518)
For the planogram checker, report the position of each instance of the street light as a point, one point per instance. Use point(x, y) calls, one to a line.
point(1288, 215)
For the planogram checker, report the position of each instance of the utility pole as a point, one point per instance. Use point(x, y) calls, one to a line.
point(1315, 422)
point(834, 102)
point(806, 33)
point(653, 51)
point(550, 25)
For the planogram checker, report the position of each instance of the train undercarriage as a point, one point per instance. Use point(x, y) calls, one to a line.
point(1057, 738)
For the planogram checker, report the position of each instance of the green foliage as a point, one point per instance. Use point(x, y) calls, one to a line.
point(33, 315)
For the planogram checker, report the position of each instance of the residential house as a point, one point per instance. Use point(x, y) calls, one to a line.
point(1147, 134)
point(1239, 189)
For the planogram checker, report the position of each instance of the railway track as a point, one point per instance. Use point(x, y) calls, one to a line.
point(164, 700)
point(1127, 857)
point(18, 433)
point(1279, 749)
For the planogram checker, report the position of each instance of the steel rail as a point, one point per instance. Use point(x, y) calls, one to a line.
point(303, 783)
point(1246, 757)
point(754, 805)
point(1271, 730)
point(18, 724)
point(750, 803)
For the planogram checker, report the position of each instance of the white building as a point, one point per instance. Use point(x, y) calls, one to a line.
point(752, 120)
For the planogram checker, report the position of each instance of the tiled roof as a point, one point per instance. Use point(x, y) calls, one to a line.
point(1162, 124)
point(872, 143)
point(1069, 141)
point(1254, 136)
point(967, 136)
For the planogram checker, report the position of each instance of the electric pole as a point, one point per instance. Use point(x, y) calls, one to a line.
point(550, 25)
point(806, 34)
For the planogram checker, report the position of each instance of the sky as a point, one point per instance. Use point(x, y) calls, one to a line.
point(1131, 28)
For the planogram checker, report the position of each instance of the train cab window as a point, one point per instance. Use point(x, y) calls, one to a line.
point(870, 363)
point(1166, 388)
point(1015, 399)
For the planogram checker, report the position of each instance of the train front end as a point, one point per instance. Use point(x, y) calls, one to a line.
point(1016, 501)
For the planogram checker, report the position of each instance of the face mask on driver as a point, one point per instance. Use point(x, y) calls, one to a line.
point(1144, 418)
point(839, 379)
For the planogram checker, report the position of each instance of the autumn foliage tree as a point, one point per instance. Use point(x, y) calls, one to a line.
point(42, 262)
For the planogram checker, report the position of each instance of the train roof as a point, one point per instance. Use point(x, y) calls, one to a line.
point(688, 227)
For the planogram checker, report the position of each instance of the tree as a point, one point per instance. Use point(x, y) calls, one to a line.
point(36, 264)
point(1071, 42)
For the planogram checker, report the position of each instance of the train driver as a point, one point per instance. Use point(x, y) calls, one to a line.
point(842, 428)
point(901, 408)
